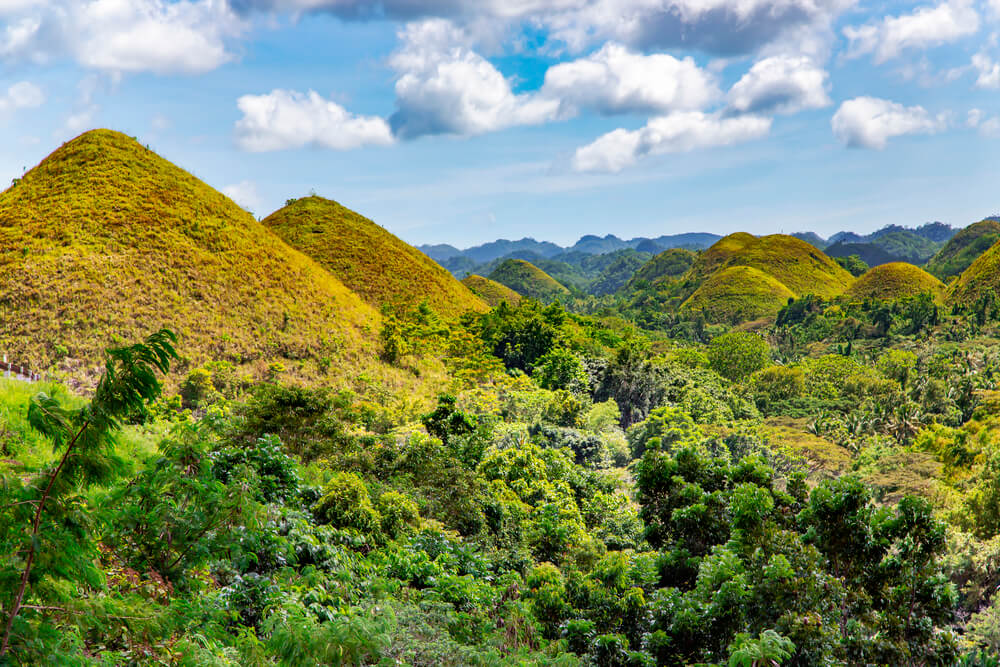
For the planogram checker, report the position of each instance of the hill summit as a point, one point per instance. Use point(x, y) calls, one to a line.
point(105, 241)
point(963, 249)
point(528, 280)
point(384, 270)
point(491, 291)
point(894, 281)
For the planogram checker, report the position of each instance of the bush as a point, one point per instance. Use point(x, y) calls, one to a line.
point(400, 514)
point(346, 504)
point(737, 355)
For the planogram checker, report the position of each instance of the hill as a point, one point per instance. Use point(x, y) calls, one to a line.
point(907, 245)
point(870, 254)
point(527, 280)
point(668, 265)
point(490, 291)
point(894, 281)
point(801, 267)
point(384, 270)
point(739, 294)
point(982, 278)
point(963, 249)
point(105, 241)
point(812, 238)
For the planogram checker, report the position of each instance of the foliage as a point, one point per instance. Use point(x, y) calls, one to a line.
point(738, 355)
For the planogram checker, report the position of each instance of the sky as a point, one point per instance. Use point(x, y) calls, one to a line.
point(461, 121)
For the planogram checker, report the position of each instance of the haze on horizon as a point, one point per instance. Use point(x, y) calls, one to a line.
point(458, 122)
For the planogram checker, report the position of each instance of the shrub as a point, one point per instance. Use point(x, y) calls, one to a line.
point(346, 504)
point(737, 355)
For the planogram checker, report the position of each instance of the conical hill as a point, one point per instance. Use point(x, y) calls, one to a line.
point(105, 241)
point(384, 270)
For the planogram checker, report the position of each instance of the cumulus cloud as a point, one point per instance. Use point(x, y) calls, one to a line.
point(780, 84)
point(21, 95)
point(446, 88)
point(869, 122)
point(678, 132)
point(244, 193)
point(921, 29)
point(988, 71)
point(284, 119)
point(719, 26)
point(188, 36)
point(615, 80)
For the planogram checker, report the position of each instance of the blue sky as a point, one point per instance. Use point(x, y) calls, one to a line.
point(451, 121)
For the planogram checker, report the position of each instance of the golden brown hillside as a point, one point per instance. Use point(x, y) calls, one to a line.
point(105, 241)
point(895, 280)
point(383, 269)
point(491, 291)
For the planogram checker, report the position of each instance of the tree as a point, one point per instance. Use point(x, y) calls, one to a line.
point(44, 526)
point(739, 354)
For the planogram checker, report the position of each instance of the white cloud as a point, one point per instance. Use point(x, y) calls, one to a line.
point(21, 95)
point(869, 122)
point(721, 26)
point(284, 119)
point(244, 193)
point(615, 80)
point(990, 128)
point(988, 71)
point(187, 36)
point(924, 28)
point(678, 132)
point(780, 84)
point(446, 88)
point(974, 117)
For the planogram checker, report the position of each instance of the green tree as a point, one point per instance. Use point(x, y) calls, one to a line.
point(44, 529)
point(738, 355)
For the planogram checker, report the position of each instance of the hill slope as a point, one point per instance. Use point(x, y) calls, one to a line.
point(963, 249)
point(668, 265)
point(384, 270)
point(490, 291)
point(982, 278)
point(105, 241)
point(527, 280)
point(739, 294)
point(801, 267)
point(894, 281)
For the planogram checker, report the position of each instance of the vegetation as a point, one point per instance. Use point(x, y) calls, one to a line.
point(739, 294)
point(490, 291)
point(527, 280)
point(724, 466)
point(980, 281)
point(963, 249)
point(385, 271)
point(802, 268)
point(897, 280)
point(105, 241)
point(668, 265)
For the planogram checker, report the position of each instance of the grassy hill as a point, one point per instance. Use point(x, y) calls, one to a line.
point(383, 269)
point(894, 281)
point(981, 278)
point(668, 265)
point(527, 280)
point(105, 241)
point(963, 249)
point(739, 294)
point(801, 267)
point(490, 291)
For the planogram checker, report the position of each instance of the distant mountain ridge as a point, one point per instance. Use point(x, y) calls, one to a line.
point(458, 260)
point(528, 248)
